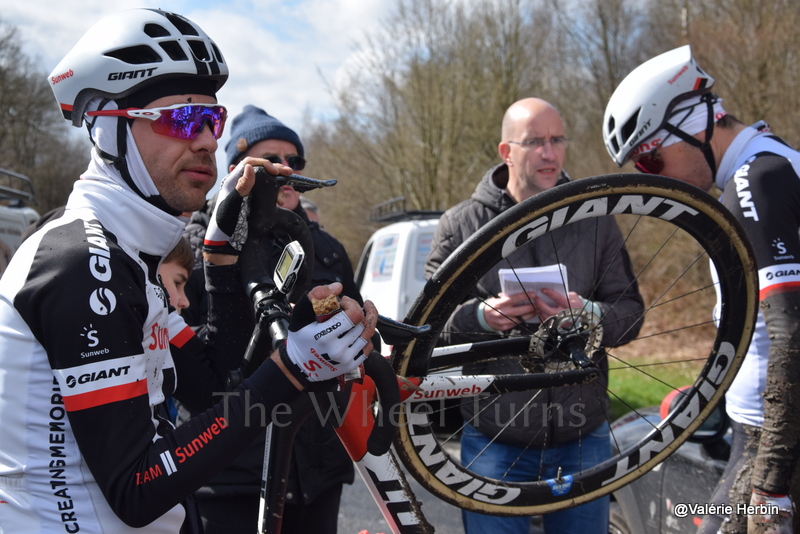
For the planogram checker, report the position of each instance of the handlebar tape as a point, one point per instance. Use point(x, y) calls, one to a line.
point(380, 371)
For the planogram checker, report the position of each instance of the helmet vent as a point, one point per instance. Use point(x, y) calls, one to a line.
point(217, 53)
point(629, 128)
point(174, 50)
point(199, 50)
point(135, 55)
point(156, 30)
point(184, 26)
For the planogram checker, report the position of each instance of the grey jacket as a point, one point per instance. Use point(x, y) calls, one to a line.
point(578, 409)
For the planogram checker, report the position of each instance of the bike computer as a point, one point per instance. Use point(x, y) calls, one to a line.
point(288, 267)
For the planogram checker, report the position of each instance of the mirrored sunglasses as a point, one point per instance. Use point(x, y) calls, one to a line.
point(181, 121)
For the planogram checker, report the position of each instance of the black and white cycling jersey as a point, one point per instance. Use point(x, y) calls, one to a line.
point(760, 177)
point(88, 352)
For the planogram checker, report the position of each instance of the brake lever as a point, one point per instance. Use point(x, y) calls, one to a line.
point(301, 184)
point(396, 333)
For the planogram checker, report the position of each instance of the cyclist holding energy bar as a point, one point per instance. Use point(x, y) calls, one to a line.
point(88, 348)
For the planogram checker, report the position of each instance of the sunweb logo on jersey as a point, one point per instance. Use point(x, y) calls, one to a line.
point(102, 301)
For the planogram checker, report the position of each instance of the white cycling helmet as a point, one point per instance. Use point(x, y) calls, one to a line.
point(129, 50)
point(647, 97)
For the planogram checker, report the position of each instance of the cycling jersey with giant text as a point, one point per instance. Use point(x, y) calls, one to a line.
point(761, 179)
point(88, 352)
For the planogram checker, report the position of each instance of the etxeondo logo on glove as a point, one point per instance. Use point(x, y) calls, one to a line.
point(327, 331)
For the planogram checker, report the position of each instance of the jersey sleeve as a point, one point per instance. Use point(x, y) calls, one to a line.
point(764, 195)
point(203, 362)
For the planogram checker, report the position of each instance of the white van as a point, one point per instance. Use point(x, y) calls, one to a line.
point(16, 192)
point(391, 271)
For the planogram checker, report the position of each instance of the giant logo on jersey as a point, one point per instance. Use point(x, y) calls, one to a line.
point(742, 182)
point(103, 374)
point(778, 278)
point(102, 300)
point(97, 383)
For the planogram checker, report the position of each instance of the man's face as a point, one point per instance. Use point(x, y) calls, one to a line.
point(282, 149)
point(535, 169)
point(183, 171)
point(681, 161)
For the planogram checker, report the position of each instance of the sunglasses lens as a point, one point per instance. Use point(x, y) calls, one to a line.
point(186, 122)
point(650, 164)
point(296, 162)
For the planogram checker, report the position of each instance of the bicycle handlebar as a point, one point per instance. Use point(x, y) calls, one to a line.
point(265, 216)
point(272, 308)
point(380, 371)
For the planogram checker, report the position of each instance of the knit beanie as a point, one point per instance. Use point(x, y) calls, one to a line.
point(253, 125)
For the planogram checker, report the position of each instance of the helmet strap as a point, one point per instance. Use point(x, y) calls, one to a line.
point(704, 146)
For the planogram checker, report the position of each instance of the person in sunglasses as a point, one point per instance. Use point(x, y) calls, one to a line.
point(230, 501)
point(559, 427)
point(664, 118)
point(89, 347)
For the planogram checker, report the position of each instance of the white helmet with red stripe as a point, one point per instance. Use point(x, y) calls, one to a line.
point(647, 97)
point(129, 50)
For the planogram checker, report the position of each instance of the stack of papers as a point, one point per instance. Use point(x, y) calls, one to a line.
point(534, 279)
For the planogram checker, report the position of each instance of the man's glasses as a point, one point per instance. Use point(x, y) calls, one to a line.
point(537, 143)
point(297, 163)
point(650, 163)
point(181, 121)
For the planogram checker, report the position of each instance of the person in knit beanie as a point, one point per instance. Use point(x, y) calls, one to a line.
point(253, 125)
point(230, 501)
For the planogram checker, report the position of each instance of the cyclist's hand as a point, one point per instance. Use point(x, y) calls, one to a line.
point(318, 351)
point(227, 229)
point(507, 311)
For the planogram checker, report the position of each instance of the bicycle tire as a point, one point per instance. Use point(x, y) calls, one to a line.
point(697, 215)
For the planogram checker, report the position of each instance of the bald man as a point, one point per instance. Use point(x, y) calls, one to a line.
point(561, 427)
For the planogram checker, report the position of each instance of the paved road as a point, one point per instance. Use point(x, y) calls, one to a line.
point(358, 511)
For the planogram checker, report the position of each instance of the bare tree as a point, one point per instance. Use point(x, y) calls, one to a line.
point(601, 41)
point(35, 140)
point(425, 102)
point(421, 114)
point(752, 49)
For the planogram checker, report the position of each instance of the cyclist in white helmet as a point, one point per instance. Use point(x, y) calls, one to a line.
point(664, 118)
point(89, 347)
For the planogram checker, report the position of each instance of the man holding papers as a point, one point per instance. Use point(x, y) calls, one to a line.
point(528, 435)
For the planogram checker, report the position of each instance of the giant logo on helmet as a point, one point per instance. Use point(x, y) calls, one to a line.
point(131, 74)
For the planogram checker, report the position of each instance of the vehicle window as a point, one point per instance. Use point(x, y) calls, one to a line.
point(383, 257)
point(423, 248)
point(361, 270)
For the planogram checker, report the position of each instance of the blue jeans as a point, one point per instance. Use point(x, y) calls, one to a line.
point(589, 518)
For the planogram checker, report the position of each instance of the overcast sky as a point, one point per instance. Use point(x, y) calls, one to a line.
point(281, 53)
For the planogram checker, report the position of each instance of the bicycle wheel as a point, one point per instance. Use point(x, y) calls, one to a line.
point(673, 233)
